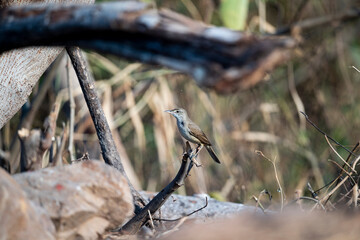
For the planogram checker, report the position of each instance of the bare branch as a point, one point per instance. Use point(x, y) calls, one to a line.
point(187, 215)
point(276, 176)
point(323, 133)
point(107, 144)
point(134, 224)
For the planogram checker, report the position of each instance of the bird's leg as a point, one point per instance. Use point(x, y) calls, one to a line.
point(198, 148)
point(194, 155)
point(190, 167)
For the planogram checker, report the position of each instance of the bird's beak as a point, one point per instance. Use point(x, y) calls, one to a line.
point(170, 111)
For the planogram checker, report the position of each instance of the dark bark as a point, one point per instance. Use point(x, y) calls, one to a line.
point(134, 224)
point(217, 58)
point(107, 144)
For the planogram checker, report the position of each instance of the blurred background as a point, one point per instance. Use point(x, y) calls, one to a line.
point(321, 80)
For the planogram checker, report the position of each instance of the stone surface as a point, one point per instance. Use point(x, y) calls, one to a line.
point(83, 199)
point(178, 206)
point(19, 218)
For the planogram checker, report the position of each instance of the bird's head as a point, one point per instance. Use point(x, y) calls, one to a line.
point(178, 113)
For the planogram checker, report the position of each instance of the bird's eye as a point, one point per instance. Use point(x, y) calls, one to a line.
point(177, 111)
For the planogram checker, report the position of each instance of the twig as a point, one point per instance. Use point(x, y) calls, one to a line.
point(338, 177)
point(258, 203)
point(323, 133)
point(151, 220)
point(342, 169)
point(107, 144)
point(313, 193)
point(187, 215)
point(327, 197)
point(295, 96)
point(356, 69)
point(310, 199)
point(320, 21)
point(355, 191)
point(276, 176)
point(332, 148)
point(60, 147)
point(72, 112)
point(346, 195)
point(134, 224)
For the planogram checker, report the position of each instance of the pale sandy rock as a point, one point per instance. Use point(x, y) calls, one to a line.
point(19, 218)
point(83, 199)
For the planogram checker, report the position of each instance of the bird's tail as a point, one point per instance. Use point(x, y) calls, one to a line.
point(212, 154)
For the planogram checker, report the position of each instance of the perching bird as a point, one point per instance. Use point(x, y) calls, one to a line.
point(191, 132)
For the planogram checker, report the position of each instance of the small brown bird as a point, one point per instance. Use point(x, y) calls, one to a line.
point(191, 132)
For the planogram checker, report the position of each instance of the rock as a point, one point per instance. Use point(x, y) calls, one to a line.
point(83, 199)
point(178, 206)
point(21, 219)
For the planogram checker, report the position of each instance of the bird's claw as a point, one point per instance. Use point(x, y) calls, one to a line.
point(195, 162)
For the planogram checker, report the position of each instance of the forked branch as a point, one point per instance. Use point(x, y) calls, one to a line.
point(134, 224)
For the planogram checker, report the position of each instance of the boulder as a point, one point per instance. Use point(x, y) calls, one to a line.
point(20, 218)
point(82, 199)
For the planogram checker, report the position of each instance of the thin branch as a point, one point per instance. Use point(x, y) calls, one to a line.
point(323, 133)
point(332, 148)
point(311, 190)
point(356, 69)
point(57, 161)
point(310, 199)
point(151, 220)
point(338, 177)
point(347, 15)
point(107, 144)
point(342, 169)
point(276, 176)
point(134, 224)
point(355, 191)
point(187, 215)
point(328, 196)
point(258, 203)
point(72, 112)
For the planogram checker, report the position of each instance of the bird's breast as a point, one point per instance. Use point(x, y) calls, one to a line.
point(184, 131)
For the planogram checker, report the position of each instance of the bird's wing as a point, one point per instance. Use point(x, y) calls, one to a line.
point(195, 131)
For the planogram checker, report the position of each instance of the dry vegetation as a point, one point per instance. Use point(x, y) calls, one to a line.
point(261, 137)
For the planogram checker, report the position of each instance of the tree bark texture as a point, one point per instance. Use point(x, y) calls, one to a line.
point(217, 58)
point(20, 69)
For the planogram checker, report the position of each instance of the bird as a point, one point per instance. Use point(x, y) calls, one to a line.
point(192, 132)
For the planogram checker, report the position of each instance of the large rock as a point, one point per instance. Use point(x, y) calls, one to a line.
point(178, 206)
point(83, 199)
point(19, 218)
